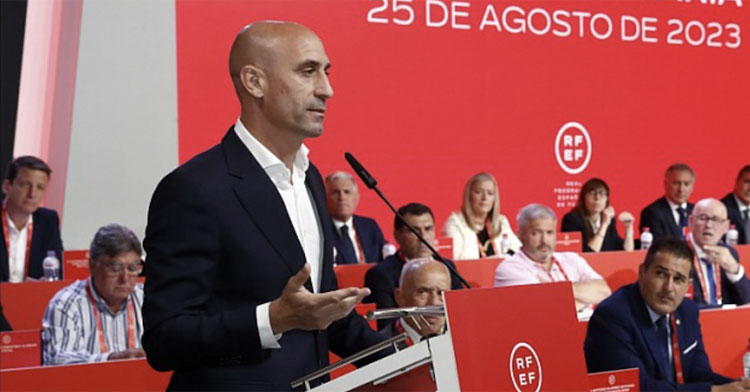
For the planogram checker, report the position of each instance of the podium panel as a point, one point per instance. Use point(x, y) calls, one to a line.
point(518, 338)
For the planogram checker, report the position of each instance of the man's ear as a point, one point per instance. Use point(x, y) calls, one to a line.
point(6, 186)
point(397, 296)
point(253, 80)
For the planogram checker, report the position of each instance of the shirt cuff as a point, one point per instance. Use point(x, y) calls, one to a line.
point(267, 338)
point(734, 278)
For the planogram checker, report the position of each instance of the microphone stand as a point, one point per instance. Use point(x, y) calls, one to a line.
point(371, 183)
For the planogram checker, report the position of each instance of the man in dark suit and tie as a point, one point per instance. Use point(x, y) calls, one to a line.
point(358, 239)
point(718, 277)
point(738, 205)
point(384, 277)
point(240, 289)
point(649, 325)
point(668, 215)
point(31, 231)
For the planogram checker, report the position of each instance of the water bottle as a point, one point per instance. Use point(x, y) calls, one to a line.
point(746, 360)
point(51, 266)
point(388, 249)
point(646, 238)
point(505, 244)
point(732, 236)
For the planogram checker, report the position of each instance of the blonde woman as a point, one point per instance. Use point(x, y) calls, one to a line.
point(478, 229)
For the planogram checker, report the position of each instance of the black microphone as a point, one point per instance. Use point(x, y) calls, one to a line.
point(371, 183)
point(363, 174)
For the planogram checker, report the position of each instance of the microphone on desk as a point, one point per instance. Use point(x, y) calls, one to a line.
point(371, 183)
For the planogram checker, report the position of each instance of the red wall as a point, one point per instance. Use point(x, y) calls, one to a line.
point(425, 107)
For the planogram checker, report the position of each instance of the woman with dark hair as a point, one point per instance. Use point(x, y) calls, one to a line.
point(593, 216)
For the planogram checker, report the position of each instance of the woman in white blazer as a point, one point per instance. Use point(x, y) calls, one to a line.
point(478, 229)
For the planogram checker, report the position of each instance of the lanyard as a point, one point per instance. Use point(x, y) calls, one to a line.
point(703, 280)
point(100, 330)
point(6, 233)
point(676, 351)
point(400, 329)
point(557, 263)
point(483, 247)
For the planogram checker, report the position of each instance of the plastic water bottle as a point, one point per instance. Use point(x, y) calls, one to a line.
point(388, 249)
point(732, 236)
point(504, 244)
point(646, 238)
point(746, 360)
point(51, 266)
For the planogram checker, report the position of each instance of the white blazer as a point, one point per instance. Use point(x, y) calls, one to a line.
point(465, 242)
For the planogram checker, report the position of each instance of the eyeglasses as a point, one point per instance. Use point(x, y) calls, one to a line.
point(115, 269)
point(713, 219)
point(597, 192)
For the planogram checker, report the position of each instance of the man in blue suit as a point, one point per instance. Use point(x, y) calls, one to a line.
point(30, 230)
point(358, 239)
point(668, 215)
point(649, 325)
point(240, 292)
point(738, 205)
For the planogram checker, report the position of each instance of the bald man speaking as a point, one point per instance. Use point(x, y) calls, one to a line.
point(240, 292)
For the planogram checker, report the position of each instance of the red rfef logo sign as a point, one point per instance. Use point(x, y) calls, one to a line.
point(573, 148)
point(525, 368)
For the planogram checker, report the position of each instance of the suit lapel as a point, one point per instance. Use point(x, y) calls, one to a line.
point(648, 330)
point(260, 198)
point(314, 184)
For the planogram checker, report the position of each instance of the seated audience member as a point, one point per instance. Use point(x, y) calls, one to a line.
point(99, 318)
point(478, 229)
point(668, 215)
point(358, 239)
point(383, 278)
point(594, 217)
point(718, 277)
point(29, 230)
point(422, 283)
point(738, 205)
point(636, 327)
point(537, 261)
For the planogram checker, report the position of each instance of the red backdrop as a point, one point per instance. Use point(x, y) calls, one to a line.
point(489, 88)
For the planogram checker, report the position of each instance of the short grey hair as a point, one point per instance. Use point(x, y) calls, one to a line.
point(533, 212)
point(112, 240)
point(341, 175)
point(414, 265)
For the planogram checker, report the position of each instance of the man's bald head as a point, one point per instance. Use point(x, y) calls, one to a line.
point(280, 74)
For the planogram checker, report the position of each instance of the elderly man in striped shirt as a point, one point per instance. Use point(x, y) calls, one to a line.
point(99, 318)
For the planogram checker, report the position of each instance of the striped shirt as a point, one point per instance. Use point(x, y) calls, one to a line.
point(69, 328)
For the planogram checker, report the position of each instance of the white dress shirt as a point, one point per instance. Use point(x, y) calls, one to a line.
point(17, 251)
point(302, 214)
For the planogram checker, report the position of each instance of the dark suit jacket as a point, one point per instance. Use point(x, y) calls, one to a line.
point(731, 293)
point(219, 244)
point(573, 221)
point(658, 217)
point(383, 278)
point(734, 216)
point(621, 335)
point(45, 236)
point(370, 237)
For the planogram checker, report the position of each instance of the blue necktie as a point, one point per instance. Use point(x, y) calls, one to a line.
point(663, 340)
point(346, 249)
point(683, 220)
point(746, 225)
point(711, 282)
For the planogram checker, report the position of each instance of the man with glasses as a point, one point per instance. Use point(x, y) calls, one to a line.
point(718, 277)
point(99, 318)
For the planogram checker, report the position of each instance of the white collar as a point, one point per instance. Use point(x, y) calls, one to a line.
point(272, 165)
point(349, 223)
point(654, 316)
point(740, 204)
point(12, 225)
point(673, 206)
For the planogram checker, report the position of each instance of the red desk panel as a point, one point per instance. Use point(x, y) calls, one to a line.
point(128, 375)
point(24, 303)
